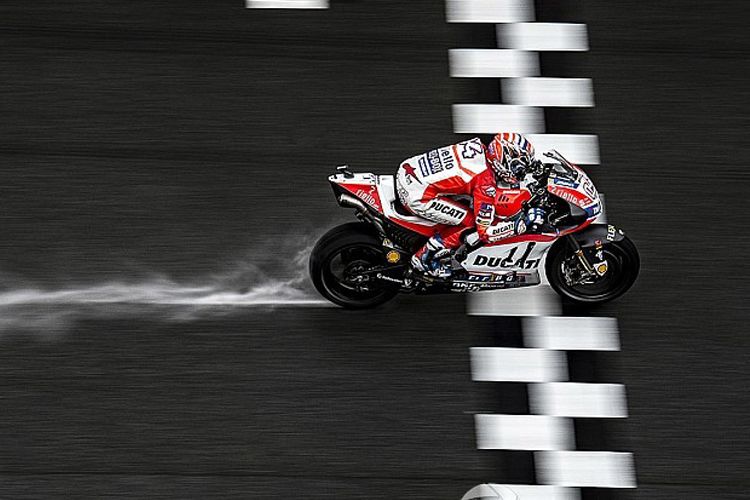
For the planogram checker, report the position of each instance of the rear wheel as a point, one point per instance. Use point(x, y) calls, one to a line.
point(339, 265)
point(623, 265)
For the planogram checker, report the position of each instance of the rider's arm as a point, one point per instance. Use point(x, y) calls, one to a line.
point(489, 228)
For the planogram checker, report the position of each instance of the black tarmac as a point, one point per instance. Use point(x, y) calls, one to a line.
point(176, 139)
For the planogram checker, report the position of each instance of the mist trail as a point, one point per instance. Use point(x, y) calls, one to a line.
point(215, 290)
point(246, 284)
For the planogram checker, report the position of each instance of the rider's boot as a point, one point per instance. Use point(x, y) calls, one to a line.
point(431, 258)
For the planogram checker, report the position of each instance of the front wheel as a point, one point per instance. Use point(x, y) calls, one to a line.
point(623, 265)
point(341, 266)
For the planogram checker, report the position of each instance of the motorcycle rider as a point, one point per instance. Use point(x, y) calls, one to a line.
point(431, 186)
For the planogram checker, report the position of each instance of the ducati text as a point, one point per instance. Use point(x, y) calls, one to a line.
point(510, 260)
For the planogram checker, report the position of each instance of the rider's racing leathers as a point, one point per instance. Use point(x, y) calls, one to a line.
point(432, 184)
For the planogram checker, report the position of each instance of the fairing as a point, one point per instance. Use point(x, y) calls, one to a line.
point(576, 188)
point(378, 192)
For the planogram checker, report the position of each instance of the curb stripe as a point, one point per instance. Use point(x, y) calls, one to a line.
point(508, 364)
point(549, 92)
point(489, 118)
point(492, 63)
point(569, 399)
point(489, 11)
point(537, 300)
point(595, 469)
point(524, 432)
point(286, 4)
point(543, 37)
point(572, 333)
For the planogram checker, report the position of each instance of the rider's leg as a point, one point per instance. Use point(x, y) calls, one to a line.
point(430, 257)
point(422, 200)
point(440, 209)
point(453, 216)
point(452, 234)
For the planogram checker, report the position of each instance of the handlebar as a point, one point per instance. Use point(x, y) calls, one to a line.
point(541, 171)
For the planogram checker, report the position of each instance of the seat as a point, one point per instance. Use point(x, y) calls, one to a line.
point(392, 206)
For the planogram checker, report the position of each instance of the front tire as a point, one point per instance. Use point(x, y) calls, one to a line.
point(337, 257)
point(624, 264)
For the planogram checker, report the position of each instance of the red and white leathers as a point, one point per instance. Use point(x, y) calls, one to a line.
point(432, 184)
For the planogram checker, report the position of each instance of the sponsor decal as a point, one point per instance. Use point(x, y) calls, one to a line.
point(436, 165)
point(410, 173)
point(368, 197)
point(611, 233)
point(489, 190)
point(436, 161)
point(601, 268)
point(476, 282)
point(424, 170)
point(393, 257)
point(509, 260)
point(447, 161)
point(570, 196)
point(507, 277)
point(446, 209)
point(508, 196)
point(480, 278)
point(560, 181)
point(501, 230)
point(485, 214)
point(463, 286)
point(381, 276)
point(588, 188)
point(593, 211)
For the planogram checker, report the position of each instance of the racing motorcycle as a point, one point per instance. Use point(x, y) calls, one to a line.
point(364, 264)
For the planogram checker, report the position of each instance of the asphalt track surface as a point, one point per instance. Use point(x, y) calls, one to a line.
point(178, 137)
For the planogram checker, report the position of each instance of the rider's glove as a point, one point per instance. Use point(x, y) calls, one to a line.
point(535, 218)
point(536, 168)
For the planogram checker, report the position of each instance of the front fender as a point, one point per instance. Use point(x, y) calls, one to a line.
point(590, 236)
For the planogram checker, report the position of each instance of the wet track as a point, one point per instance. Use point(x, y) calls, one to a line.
point(177, 139)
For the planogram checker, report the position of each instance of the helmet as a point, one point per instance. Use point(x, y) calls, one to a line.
point(510, 156)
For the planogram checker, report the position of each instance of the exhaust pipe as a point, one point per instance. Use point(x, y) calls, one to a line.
point(347, 200)
point(364, 213)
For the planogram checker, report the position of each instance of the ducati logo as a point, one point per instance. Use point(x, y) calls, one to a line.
point(508, 261)
point(447, 209)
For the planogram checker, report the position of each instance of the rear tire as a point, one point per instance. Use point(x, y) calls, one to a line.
point(624, 264)
point(339, 253)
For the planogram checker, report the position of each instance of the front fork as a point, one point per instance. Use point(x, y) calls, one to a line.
point(578, 251)
point(591, 271)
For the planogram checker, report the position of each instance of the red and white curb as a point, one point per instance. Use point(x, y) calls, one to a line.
point(554, 401)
